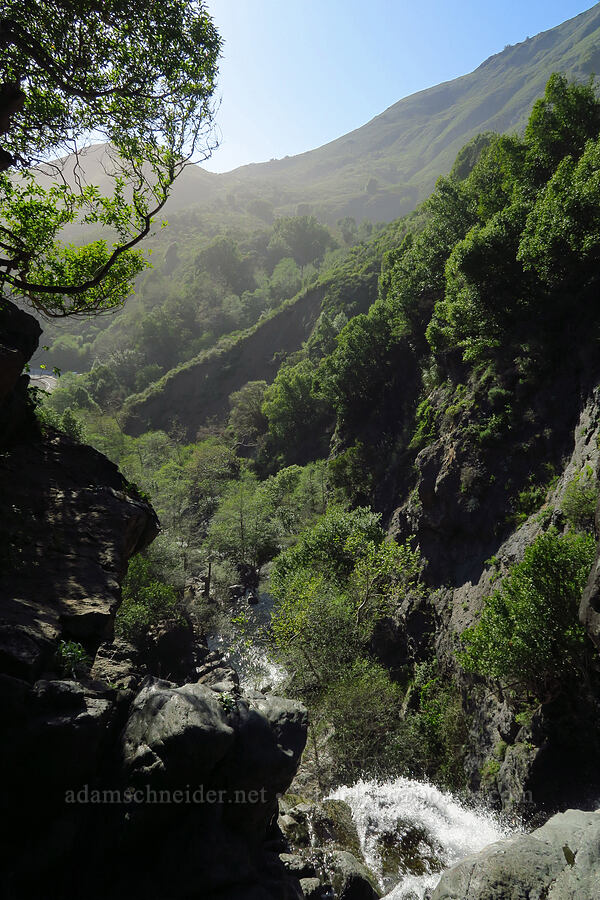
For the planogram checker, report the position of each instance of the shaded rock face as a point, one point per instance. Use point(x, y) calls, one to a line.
point(19, 338)
point(77, 744)
point(247, 743)
point(589, 611)
point(67, 530)
point(68, 525)
point(551, 762)
point(184, 770)
point(559, 861)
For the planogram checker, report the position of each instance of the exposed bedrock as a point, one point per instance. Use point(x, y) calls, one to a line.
point(78, 743)
point(559, 861)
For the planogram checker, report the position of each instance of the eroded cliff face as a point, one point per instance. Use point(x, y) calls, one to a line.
point(116, 783)
point(458, 511)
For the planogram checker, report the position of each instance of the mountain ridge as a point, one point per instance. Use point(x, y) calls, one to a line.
point(424, 127)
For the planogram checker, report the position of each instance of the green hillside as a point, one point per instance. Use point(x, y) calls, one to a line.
point(410, 144)
point(377, 173)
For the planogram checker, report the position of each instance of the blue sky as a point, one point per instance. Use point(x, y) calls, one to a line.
point(296, 74)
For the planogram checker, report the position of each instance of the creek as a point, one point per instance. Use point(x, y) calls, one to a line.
point(409, 830)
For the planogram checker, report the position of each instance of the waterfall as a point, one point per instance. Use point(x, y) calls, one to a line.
point(410, 831)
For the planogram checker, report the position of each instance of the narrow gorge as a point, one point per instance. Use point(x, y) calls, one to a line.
point(300, 543)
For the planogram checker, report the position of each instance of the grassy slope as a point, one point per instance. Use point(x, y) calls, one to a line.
point(405, 148)
point(414, 141)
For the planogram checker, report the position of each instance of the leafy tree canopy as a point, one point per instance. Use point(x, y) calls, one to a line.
point(303, 237)
point(139, 76)
point(528, 636)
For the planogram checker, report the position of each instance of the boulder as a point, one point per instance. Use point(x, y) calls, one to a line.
point(559, 861)
point(312, 889)
point(175, 734)
point(19, 338)
point(327, 854)
point(350, 878)
point(117, 665)
point(327, 824)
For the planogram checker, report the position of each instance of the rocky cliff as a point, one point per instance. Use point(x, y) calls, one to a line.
point(547, 759)
point(117, 783)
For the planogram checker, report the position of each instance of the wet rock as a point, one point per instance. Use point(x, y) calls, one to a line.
point(218, 675)
point(312, 889)
point(408, 850)
point(350, 878)
point(559, 861)
point(298, 865)
point(324, 838)
point(328, 823)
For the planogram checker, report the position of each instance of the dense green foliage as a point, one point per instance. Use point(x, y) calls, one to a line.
point(580, 500)
point(528, 637)
point(479, 298)
point(333, 587)
point(147, 599)
point(442, 327)
point(198, 290)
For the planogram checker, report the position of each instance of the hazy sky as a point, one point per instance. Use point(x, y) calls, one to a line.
point(296, 74)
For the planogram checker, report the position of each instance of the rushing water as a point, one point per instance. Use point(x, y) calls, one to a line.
point(244, 646)
point(409, 830)
point(444, 830)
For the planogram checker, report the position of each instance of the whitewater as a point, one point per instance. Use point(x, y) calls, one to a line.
point(451, 829)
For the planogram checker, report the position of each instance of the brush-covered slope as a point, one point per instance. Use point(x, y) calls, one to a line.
point(198, 391)
point(414, 141)
point(378, 172)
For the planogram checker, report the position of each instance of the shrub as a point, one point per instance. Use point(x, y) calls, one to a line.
point(332, 589)
point(73, 659)
point(432, 737)
point(527, 502)
point(426, 425)
point(364, 707)
point(146, 600)
point(325, 547)
point(528, 637)
point(580, 500)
